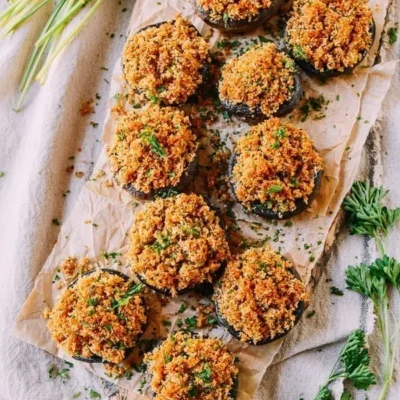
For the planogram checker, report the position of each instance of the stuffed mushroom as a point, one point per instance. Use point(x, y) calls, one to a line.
point(275, 170)
point(155, 150)
point(188, 367)
point(261, 83)
point(237, 15)
point(330, 37)
point(166, 62)
point(177, 244)
point(260, 296)
point(98, 317)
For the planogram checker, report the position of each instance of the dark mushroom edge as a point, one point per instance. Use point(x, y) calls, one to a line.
point(236, 334)
point(230, 25)
point(262, 210)
point(97, 359)
point(235, 387)
point(255, 115)
point(309, 68)
point(204, 71)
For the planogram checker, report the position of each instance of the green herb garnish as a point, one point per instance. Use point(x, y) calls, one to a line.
point(392, 34)
point(336, 291)
point(123, 301)
point(369, 217)
point(151, 139)
point(299, 53)
point(354, 359)
point(275, 189)
point(206, 374)
point(94, 395)
point(191, 322)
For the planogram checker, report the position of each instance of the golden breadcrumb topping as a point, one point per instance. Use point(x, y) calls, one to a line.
point(258, 294)
point(72, 267)
point(330, 34)
point(276, 165)
point(262, 77)
point(166, 62)
point(191, 368)
point(177, 243)
point(233, 9)
point(100, 315)
point(152, 148)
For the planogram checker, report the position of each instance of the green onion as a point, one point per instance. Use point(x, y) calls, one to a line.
point(49, 43)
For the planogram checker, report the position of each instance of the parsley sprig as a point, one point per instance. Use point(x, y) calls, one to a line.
point(369, 217)
point(352, 364)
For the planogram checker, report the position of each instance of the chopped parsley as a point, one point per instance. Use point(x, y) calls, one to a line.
point(92, 301)
point(206, 374)
point(336, 291)
point(280, 133)
point(182, 308)
point(392, 33)
point(113, 255)
point(275, 189)
point(151, 139)
point(161, 244)
point(154, 99)
point(310, 314)
point(191, 322)
point(55, 222)
point(94, 395)
point(299, 53)
point(123, 301)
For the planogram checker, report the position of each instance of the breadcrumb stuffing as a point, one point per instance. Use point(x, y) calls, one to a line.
point(98, 316)
point(262, 77)
point(186, 367)
point(276, 165)
point(71, 267)
point(166, 62)
point(177, 243)
point(233, 9)
point(152, 148)
point(330, 34)
point(258, 294)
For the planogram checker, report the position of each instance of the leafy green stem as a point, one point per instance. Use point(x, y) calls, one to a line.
point(388, 372)
point(379, 244)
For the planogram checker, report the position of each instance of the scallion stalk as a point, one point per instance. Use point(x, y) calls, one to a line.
point(50, 42)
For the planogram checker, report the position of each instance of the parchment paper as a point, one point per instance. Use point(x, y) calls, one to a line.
point(104, 213)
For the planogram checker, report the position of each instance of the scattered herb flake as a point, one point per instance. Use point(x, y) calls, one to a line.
point(336, 291)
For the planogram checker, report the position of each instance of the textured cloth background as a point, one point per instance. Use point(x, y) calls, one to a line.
point(36, 149)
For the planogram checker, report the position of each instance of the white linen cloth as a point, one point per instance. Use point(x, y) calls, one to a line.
point(36, 147)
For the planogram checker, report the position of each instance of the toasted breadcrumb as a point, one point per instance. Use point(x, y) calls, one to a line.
point(153, 148)
point(166, 62)
point(258, 294)
point(330, 34)
point(87, 108)
point(276, 165)
point(177, 243)
point(71, 267)
point(191, 368)
point(262, 77)
point(96, 317)
point(233, 9)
